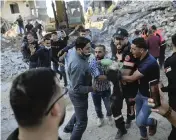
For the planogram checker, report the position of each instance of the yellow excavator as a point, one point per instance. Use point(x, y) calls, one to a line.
point(66, 16)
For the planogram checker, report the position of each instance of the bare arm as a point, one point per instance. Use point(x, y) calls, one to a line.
point(172, 118)
point(136, 76)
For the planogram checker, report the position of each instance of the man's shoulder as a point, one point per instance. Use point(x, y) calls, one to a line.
point(171, 59)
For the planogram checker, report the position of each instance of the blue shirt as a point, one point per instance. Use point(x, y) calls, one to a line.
point(149, 67)
point(79, 76)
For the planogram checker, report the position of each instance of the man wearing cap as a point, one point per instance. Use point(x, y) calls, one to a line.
point(124, 56)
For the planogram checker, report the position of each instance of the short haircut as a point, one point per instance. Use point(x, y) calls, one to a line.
point(153, 27)
point(82, 30)
point(47, 37)
point(30, 95)
point(87, 30)
point(140, 43)
point(30, 33)
point(101, 46)
point(55, 33)
point(174, 39)
point(81, 42)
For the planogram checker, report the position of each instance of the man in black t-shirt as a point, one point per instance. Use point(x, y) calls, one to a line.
point(39, 27)
point(147, 70)
point(28, 27)
point(20, 24)
point(56, 46)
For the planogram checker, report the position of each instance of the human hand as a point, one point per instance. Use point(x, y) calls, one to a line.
point(61, 58)
point(164, 104)
point(59, 53)
point(102, 77)
point(64, 34)
point(77, 27)
point(32, 49)
point(61, 64)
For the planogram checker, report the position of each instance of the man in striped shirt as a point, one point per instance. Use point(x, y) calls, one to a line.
point(102, 86)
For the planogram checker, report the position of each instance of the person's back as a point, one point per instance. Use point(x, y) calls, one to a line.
point(154, 43)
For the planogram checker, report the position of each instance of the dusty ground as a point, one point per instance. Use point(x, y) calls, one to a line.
point(13, 65)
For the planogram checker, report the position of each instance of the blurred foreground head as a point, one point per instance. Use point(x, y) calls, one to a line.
point(35, 98)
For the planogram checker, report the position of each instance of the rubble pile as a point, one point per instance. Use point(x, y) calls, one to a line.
point(11, 64)
point(133, 15)
point(5, 25)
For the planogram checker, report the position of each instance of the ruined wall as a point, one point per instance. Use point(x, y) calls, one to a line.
point(6, 11)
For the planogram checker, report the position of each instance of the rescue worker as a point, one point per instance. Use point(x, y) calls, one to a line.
point(170, 70)
point(163, 45)
point(129, 89)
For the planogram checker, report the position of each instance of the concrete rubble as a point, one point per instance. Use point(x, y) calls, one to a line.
point(132, 16)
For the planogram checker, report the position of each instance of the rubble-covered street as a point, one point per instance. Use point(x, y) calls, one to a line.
point(132, 16)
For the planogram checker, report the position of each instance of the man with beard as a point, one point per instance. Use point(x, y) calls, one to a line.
point(37, 102)
point(147, 70)
point(125, 57)
point(80, 85)
point(102, 85)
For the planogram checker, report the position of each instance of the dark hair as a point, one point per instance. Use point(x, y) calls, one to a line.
point(82, 30)
point(140, 42)
point(101, 46)
point(137, 32)
point(47, 37)
point(81, 42)
point(30, 95)
point(87, 30)
point(153, 27)
point(55, 33)
point(150, 32)
point(30, 33)
point(174, 39)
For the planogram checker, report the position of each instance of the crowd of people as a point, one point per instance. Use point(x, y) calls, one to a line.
point(36, 95)
point(29, 27)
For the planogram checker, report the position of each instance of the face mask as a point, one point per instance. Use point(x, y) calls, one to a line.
point(47, 47)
